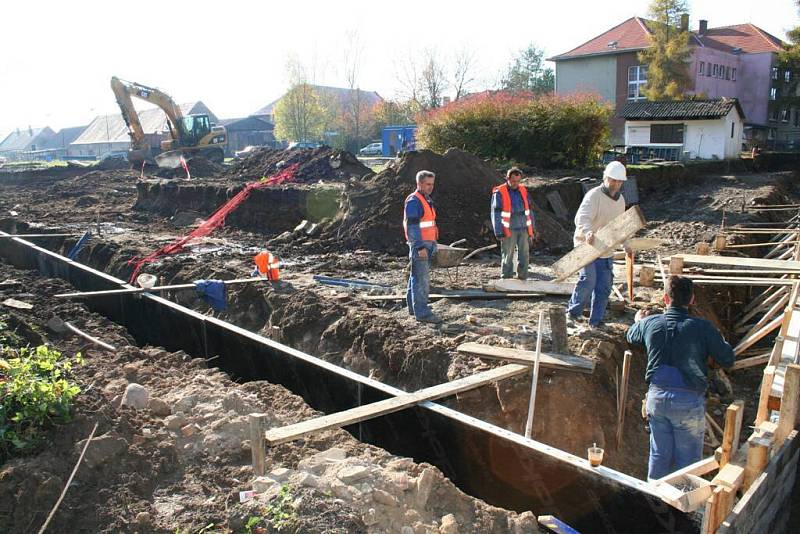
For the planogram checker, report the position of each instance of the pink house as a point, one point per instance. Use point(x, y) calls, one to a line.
point(727, 62)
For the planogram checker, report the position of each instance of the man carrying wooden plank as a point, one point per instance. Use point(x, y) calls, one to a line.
point(512, 220)
point(599, 207)
point(678, 348)
point(419, 223)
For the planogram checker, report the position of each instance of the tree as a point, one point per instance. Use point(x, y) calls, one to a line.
point(463, 72)
point(394, 112)
point(355, 112)
point(789, 62)
point(300, 114)
point(528, 73)
point(433, 82)
point(667, 57)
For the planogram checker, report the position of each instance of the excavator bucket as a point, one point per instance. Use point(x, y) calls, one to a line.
point(137, 156)
point(171, 159)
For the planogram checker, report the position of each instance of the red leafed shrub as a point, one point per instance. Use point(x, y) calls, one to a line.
point(545, 131)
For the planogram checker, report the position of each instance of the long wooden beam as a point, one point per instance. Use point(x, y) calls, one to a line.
point(748, 342)
point(791, 266)
point(155, 289)
point(527, 357)
point(276, 436)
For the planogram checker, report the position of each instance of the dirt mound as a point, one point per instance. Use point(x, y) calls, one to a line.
point(373, 216)
point(199, 167)
point(316, 164)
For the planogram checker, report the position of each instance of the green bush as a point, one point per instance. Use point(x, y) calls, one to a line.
point(36, 391)
point(545, 131)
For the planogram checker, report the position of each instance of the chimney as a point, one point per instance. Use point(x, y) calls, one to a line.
point(703, 26)
point(685, 22)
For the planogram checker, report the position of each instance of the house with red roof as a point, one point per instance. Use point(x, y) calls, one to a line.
point(727, 62)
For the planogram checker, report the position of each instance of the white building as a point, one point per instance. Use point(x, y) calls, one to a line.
point(684, 129)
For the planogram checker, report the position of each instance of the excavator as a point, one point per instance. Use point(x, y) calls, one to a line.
point(190, 135)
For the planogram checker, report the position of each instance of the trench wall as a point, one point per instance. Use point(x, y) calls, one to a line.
point(490, 463)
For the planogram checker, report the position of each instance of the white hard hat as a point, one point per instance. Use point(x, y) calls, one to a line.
point(616, 170)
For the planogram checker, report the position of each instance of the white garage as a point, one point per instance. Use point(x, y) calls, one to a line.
point(684, 129)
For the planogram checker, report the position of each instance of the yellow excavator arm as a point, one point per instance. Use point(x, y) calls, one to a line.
point(192, 134)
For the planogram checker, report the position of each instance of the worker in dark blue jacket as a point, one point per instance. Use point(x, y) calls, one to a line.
point(678, 348)
point(419, 223)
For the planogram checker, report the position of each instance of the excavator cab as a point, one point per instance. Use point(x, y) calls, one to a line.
point(194, 127)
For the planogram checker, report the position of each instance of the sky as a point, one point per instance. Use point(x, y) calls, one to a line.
point(57, 57)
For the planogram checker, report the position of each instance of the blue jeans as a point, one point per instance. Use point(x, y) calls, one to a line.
point(594, 286)
point(677, 426)
point(419, 284)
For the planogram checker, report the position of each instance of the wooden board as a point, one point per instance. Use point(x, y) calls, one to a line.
point(546, 359)
point(605, 239)
point(530, 286)
point(276, 436)
point(554, 198)
point(645, 243)
point(785, 265)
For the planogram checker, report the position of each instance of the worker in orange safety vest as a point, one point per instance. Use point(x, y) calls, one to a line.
point(512, 220)
point(419, 223)
point(266, 266)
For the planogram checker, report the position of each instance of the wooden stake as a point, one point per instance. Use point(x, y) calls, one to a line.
point(733, 426)
point(719, 242)
point(558, 329)
point(758, 449)
point(623, 396)
point(675, 265)
point(258, 446)
point(647, 276)
point(535, 378)
point(790, 404)
point(703, 248)
point(629, 259)
point(763, 399)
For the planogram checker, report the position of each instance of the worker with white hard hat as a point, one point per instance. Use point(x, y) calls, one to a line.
point(599, 207)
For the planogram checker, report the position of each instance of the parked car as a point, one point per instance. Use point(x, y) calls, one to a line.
point(243, 153)
point(303, 144)
point(372, 149)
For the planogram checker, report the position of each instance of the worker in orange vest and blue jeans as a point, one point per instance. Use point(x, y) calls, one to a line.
point(512, 219)
point(419, 223)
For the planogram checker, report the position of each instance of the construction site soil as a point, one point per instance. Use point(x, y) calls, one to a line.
point(377, 339)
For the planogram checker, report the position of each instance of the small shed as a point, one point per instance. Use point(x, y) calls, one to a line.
point(684, 129)
point(398, 139)
point(246, 131)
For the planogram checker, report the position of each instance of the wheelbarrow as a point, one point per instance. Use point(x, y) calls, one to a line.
point(451, 256)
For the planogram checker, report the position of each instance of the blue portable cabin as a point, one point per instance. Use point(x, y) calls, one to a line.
point(398, 139)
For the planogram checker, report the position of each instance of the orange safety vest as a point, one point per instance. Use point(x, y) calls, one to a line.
point(267, 265)
point(427, 224)
point(505, 212)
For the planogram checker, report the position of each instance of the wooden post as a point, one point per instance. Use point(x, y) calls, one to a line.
point(675, 265)
point(535, 379)
point(258, 444)
point(558, 329)
point(647, 276)
point(629, 259)
point(733, 426)
point(623, 395)
point(763, 399)
point(720, 241)
point(758, 449)
point(790, 404)
point(703, 248)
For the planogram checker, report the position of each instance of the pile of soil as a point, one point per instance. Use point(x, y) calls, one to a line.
point(316, 164)
point(199, 167)
point(372, 218)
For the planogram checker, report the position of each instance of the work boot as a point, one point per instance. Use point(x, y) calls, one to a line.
point(433, 319)
point(574, 322)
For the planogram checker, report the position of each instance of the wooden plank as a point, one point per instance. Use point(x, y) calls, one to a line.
point(566, 362)
point(554, 198)
point(276, 436)
point(629, 259)
point(623, 395)
point(645, 243)
point(699, 468)
point(733, 425)
point(748, 342)
point(695, 259)
point(535, 378)
point(782, 301)
point(605, 239)
point(766, 388)
point(155, 289)
point(750, 362)
point(530, 286)
point(754, 245)
point(27, 236)
point(758, 450)
point(790, 403)
point(737, 281)
point(730, 476)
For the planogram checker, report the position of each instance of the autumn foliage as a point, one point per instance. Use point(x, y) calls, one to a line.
point(545, 131)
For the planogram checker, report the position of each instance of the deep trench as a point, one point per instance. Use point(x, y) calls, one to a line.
point(487, 462)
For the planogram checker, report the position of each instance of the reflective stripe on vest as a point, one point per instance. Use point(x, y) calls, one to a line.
point(267, 265)
point(505, 213)
point(427, 223)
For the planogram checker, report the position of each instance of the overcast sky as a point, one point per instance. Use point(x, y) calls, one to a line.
point(58, 56)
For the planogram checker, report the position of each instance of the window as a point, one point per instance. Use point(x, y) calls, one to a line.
point(727, 73)
point(774, 73)
point(637, 79)
point(773, 114)
point(666, 133)
point(796, 118)
point(785, 115)
point(702, 68)
point(716, 70)
point(733, 126)
point(773, 93)
point(787, 76)
point(733, 74)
